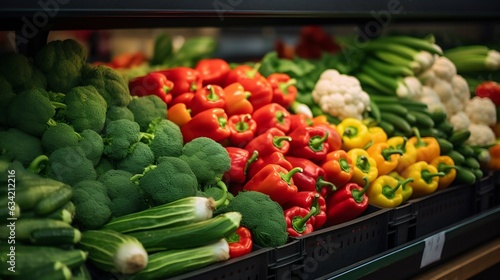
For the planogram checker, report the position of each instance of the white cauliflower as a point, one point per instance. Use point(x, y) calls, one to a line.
point(411, 88)
point(431, 99)
point(340, 95)
point(459, 121)
point(443, 68)
point(480, 135)
point(460, 89)
point(481, 111)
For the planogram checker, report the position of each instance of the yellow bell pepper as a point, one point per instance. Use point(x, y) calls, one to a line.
point(409, 155)
point(446, 165)
point(378, 135)
point(354, 133)
point(385, 191)
point(406, 190)
point(387, 157)
point(427, 147)
point(364, 166)
point(425, 176)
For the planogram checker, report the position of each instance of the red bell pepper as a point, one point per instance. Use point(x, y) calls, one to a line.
point(254, 82)
point(208, 97)
point(334, 140)
point(185, 79)
point(237, 102)
point(242, 129)
point(346, 203)
point(213, 71)
point(273, 140)
point(184, 98)
point(274, 181)
point(299, 221)
point(299, 120)
point(241, 160)
point(240, 242)
point(272, 115)
point(312, 178)
point(211, 123)
point(274, 158)
point(338, 167)
point(284, 90)
point(491, 90)
point(307, 200)
point(152, 84)
point(309, 142)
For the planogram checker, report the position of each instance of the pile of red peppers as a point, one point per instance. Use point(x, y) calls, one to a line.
point(295, 159)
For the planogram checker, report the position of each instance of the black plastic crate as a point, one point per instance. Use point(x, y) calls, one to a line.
point(485, 196)
point(443, 208)
point(402, 224)
point(332, 248)
point(284, 260)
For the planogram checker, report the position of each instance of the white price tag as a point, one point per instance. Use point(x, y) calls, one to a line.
point(433, 249)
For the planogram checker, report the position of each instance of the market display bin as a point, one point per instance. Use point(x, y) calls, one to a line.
point(485, 195)
point(285, 259)
point(402, 224)
point(335, 247)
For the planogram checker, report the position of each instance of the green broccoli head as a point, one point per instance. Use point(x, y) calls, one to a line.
point(108, 82)
point(31, 111)
point(61, 62)
point(16, 145)
point(147, 109)
point(92, 145)
point(92, 204)
point(59, 136)
point(126, 197)
point(140, 156)
point(6, 96)
point(21, 73)
point(207, 158)
point(167, 139)
point(117, 113)
point(253, 206)
point(86, 109)
point(70, 165)
point(119, 136)
point(170, 180)
point(103, 166)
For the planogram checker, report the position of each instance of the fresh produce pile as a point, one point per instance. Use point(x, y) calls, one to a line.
point(167, 167)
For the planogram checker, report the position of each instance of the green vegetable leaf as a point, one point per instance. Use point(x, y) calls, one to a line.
point(163, 49)
point(193, 50)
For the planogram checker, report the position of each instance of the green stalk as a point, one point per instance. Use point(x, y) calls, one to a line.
point(389, 69)
point(466, 51)
point(278, 140)
point(396, 59)
point(357, 195)
point(427, 175)
point(316, 142)
point(425, 44)
point(366, 79)
point(299, 223)
point(287, 177)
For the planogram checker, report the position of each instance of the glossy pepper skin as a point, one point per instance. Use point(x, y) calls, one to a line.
point(273, 140)
point(338, 167)
point(242, 129)
point(208, 97)
point(274, 158)
point(494, 163)
point(377, 135)
point(425, 176)
point(240, 242)
point(364, 166)
point(427, 147)
point(354, 133)
point(406, 190)
point(334, 141)
point(274, 181)
point(299, 120)
point(312, 177)
point(272, 115)
point(212, 70)
point(309, 142)
point(491, 90)
point(409, 155)
point(237, 102)
point(241, 160)
point(385, 156)
point(299, 220)
point(446, 165)
point(152, 84)
point(211, 123)
point(346, 203)
point(185, 79)
point(307, 200)
point(385, 192)
point(252, 81)
point(284, 90)
point(179, 114)
point(184, 98)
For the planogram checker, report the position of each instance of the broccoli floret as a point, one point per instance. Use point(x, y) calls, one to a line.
point(6, 95)
point(140, 156)
point(117, 113)
point(70, 165)
point(86, 109)
point(59, 136)
point(61, 62)
point(167, 139)
point(170, 180)
point(92, 204)
point(103, 166)
point(20, 146)
point(31, 111)
point(92, 145)
point(119, 136)
point(253, 206)
point(21, 73)
point(108, 82)
point(126, 197)
point(147, 109)
point(207, 158)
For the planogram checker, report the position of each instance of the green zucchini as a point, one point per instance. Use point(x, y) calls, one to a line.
point(397, 109)
point(438, 116)
point(53, 200)
point(445, 146)
point(398, 122)
point(27, 198)
point(446, 127)
point(375, 111)
point(465, 150)
point(423, 120)
point(55, 236)
point(458, 137)
point(65, 213)
point(411, 119)
point(465, 175)
point(472, 162)
point(81, 273)
point(25, 226)
point(457, 157)
point(191, 235)
point(56, 271)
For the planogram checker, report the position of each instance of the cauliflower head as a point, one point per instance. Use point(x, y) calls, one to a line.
point(459, 121)
point(480, 135)
point(481, 111)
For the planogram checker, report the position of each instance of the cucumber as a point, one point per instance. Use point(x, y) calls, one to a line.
point(457, 157)
point(27, 198)
point(465, 150)
point(472, 163)
point(478, 172)
point(397, 109)
point(445, 146)
point(56, 271)
point(423, 120)
point(191, 235)
point(25, 226)
point(387, 127)
point(375, 111)
point(53, 200)
point(398, 122)
point(465, 175)
point(446, 127)
point(458, 137)
point(438, 116)
point(65, 213)
point(55, 236)
point(411, 119)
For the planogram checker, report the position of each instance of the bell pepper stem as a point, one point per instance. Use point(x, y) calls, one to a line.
point(427, 175)
point(278, 140)
point(402, 147)
point(36, 164)
point(251, 74)
point(287, 177)
point(221, 200)
point(367, 146)
point(222, 121)
point(299, 223)
point(443, 167)
point(363, 163)
point(320, 183)
point(420, 142)
point(389, 192)
point(284, 86)
point(280, 117)
point(358, 194)
point(212, 96)
point(350, 131)
point(233, 238)
point(166, 89)
point(242, 125)
point(315, 204)
point(316, 142)
point(344, 165)
point(387, 153)
point(252, 159)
